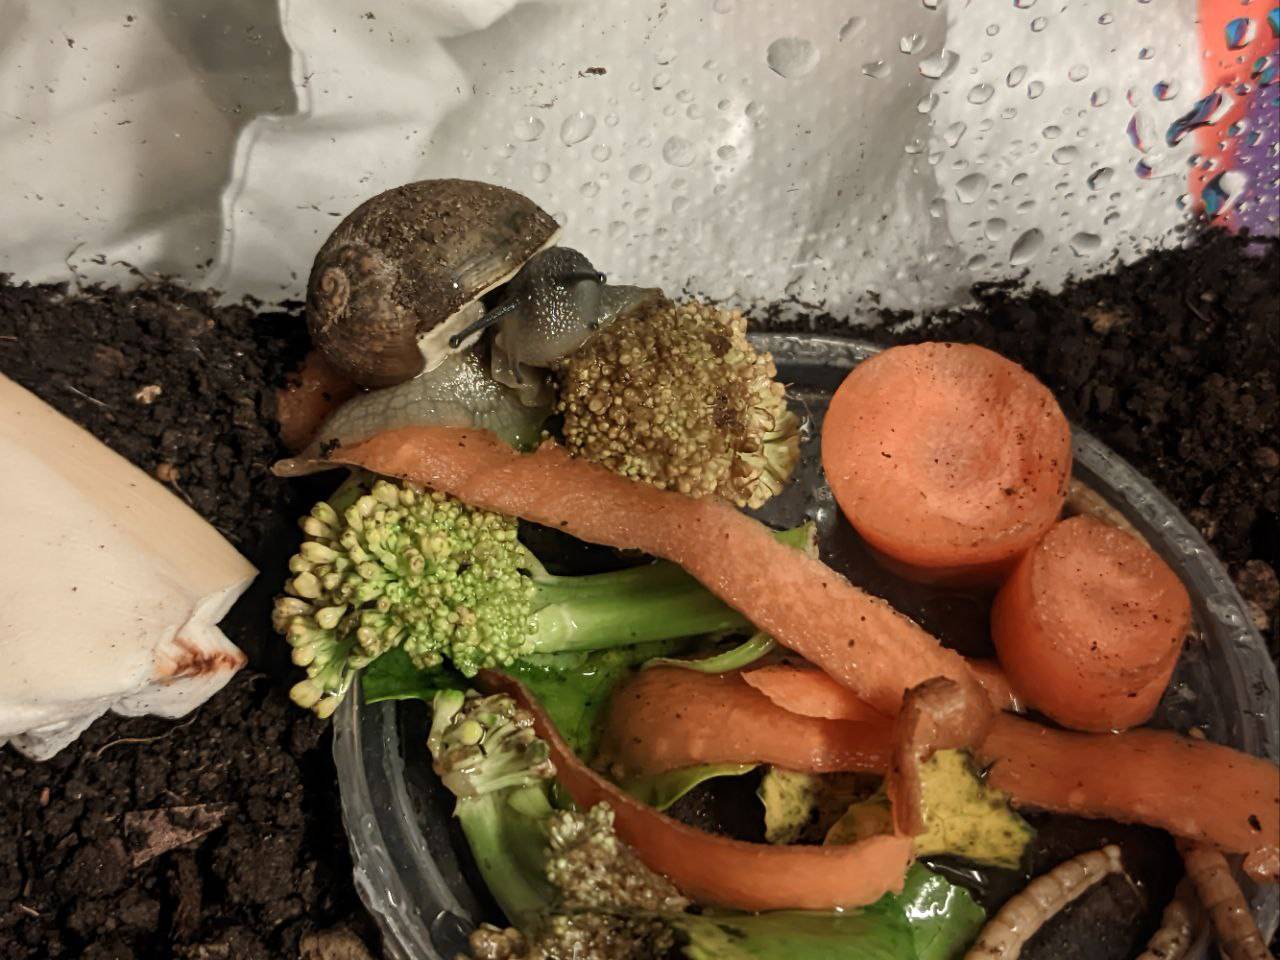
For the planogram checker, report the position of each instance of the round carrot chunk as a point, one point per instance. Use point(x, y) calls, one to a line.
point(1090, 626)
point(948, 459)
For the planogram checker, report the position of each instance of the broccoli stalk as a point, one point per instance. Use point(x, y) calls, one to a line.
point(563, 877)
point(399, 566)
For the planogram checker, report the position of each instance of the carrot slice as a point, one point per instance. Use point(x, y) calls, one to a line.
point(313, 392)
point(1090, 626)
point(716, 870)
point(685, 718)
point(1191, 788)
point(947, 458)
point(858, 639)
point(808, 691)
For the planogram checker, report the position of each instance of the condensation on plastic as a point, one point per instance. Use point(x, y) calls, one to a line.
point(403, 840)
point(842, 153)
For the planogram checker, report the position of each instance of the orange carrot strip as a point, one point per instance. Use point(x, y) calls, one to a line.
point(1191, 788)
point(858, 639)
point(1090, 626)
point(1194, 789)
point(716, 870)
point(947, 458)
point(809, 692)
point(665, 718)
point(307, 399)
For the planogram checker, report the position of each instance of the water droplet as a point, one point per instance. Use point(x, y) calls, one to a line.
point(1015, 76)
point(981, 93)
point(1221, 193)
point(664, 56)
point(1100, 97)
point(685, 96)
point(1141, 131)
point(694, 111)
point(930, 4)
point(678, 152)
point(1051, 132)
point(994, 229)
point(1026, 247)
point(1039, 23)
point(993, 29)
point(1106, 19)
point(977, 261)
point(589, 189)
point(1144, 170)
point(722, 6)
point(938, 65)
point(679, 205)
point(640, 173)
point(1026, 206)
point(912, 43)
point(611, 120)
point(727, 152)
point(1065, 155)
point(1165, 89)
point(937, 208)
point(1034, 89)
point(1078, 72)
point(970, 187)
point(876, 69)
point(926, 103)
point(953, 133)
point(528, 128)
point(1024, 4)
point(601, 153)
point(791, 56)
point(1206, 110)
point(1240, 32)
point(1019, 179)
point(1083, 244)
point(661, 79)
point(576, 128)
point(1008, 113)
point(1100, 178)
point(1146, 53)
point(540, 172)
point(851, 27)
point(753, 109)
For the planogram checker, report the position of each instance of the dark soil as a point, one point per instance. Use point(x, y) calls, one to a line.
point(1171, 361)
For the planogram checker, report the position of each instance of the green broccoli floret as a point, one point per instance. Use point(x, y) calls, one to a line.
point(405, 567)
point(676, 395)
point(573, 889)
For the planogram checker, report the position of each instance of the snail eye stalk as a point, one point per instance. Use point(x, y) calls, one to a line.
point(484, 323)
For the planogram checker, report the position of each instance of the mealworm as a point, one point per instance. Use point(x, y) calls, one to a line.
point(1238, 934)
point(1017, 921)
point(1178, 925)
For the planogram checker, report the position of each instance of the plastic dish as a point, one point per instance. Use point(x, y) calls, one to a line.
point(405, 844)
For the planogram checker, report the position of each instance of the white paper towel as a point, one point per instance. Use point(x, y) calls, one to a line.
point(736, 148)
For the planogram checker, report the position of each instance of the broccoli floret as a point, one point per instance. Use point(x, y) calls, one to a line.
point(574, 890)
point(402, 566)
point(675, 395)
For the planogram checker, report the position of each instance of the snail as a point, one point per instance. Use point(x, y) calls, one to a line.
point(395, 303)
point(398, 285)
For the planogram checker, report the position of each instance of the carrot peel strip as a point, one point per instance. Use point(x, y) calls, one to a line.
point(860, 640)
point(716, 870)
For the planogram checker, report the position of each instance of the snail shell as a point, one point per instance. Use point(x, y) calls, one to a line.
point(406, 270)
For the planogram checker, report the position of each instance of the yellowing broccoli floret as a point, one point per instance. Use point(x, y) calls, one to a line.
point(676, 395)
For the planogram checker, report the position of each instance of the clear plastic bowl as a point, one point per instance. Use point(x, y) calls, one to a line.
point(404, 841)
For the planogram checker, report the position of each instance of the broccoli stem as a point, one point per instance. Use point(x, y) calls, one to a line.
point(507, 835)
point(600, 611)
point(656, 601)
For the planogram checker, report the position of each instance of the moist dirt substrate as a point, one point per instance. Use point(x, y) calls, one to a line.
point(1171, 361)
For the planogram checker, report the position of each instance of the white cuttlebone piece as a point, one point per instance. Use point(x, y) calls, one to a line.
point(111, 588)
